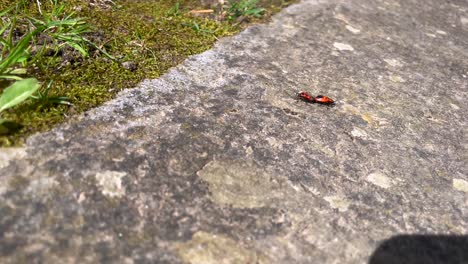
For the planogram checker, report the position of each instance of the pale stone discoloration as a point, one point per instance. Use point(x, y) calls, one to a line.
point(341, 17)
point(343, 46)
point(240, 184)
point(41, 187)
point(352, 29)
point(464, 20)
point(396, 78)
point(249, 151)
point(110, 183)
point(206, 248)
point(460, 185)
point(379, 179)
point(7, 154)
point(393, 62)
point(359, 132)
point(338, 202)
point(372, 119)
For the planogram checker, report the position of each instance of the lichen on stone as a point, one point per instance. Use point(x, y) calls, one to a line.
point(206, 248)
point(110, 183)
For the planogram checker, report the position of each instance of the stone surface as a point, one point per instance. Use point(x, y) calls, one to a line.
point(217, 161)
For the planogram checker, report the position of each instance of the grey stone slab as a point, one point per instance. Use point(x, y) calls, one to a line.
point(217, 162)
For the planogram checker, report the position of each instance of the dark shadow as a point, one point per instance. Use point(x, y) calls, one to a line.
point(427, 249)
point(9, 127)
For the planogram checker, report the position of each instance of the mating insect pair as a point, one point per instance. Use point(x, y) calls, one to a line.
point(320, 99)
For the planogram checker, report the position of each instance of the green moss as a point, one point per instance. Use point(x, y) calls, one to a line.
point(142, 32)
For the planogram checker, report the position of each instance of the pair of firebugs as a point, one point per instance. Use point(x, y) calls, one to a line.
point(319, 99)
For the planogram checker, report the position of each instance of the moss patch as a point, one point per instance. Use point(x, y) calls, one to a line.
point(146, 37)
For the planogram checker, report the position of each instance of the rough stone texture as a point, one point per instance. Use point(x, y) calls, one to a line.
point(216, 162)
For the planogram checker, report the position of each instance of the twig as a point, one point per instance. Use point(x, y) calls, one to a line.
point(39, 6)
point(202, 11)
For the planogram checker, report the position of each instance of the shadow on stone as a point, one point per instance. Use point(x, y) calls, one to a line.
point(428, 249)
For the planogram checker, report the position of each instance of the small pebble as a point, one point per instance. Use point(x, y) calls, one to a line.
point(130, 65)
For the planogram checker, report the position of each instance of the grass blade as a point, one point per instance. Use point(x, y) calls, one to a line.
point(5, 11)
point(16, 71)
point(4, 27)
point(11, 77)
point(18, 92)
point(17, 52)
point(78, 47)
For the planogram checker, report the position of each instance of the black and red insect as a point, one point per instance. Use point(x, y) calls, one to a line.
point(320, 99)
point(306, 97)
